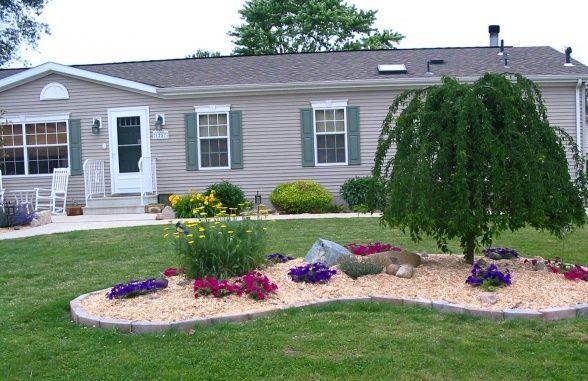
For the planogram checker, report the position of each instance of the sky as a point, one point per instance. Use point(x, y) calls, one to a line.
point(100, 31)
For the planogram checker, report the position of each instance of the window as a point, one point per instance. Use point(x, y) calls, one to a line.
point(213, 138)
point(330, 135)
point(33, 148)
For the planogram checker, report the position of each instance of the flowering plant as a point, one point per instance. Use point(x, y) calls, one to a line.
point(571, 272)
point(370, 248)
point(577, 273)
point(311, 273)
point(211, 286)
point(172, 271)
point(489, 278)
point(135, 287)
point(195, 204)
point(278, 258)
point(255, 284)
point(503, 252)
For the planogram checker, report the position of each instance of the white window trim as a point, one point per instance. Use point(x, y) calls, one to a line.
point(339, 105)
point(213, 109)
point(54, 91)
point(39, 119)
point(328, 104)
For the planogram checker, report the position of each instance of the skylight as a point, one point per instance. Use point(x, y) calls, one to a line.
point(392, 69)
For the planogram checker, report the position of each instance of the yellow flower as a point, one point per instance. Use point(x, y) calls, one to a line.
point(190, 235)
point(201, 236)
point(230, 232)
point(190, 242)
point(201, 229)
point(248, 231)
point(177, 237)
point(165, 235)
point(223, 226)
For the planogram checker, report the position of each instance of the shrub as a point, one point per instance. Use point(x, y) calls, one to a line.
point(302, 196)
point(311, 273)
point(355, 268)
point(230, 195)
point(366, 191)
point(223, 248)
point(195, 205)
point(489, 278)
point(135, 287)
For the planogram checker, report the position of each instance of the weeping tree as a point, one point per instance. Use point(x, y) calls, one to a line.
point(468, 161)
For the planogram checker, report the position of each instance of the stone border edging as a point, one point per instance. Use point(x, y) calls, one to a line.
point(81, 317)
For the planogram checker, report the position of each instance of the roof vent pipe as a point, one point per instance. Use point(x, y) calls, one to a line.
point(568, 57)
point(501, 47)
point(494, 30)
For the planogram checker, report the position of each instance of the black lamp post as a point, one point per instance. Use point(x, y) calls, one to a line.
point(257, 202)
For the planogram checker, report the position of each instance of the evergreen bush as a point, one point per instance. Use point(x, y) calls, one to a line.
point(302, 196)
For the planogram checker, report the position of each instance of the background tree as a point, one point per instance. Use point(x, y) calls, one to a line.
point(18, 26)
point(473, 160)
point(293, 26)
point(203, 54)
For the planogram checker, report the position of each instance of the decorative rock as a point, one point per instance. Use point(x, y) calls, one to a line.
point(154, 208)
point(401, 257)
point(494, 256)
point(44, 217)
point(488, 298)
point(326, 252)
point(538, 263)
point(405, 271)
point(166, 214)
point(35, 223)
point(481, 262)
point(392, 269)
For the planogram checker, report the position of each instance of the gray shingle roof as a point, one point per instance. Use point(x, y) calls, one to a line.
point(335, 66)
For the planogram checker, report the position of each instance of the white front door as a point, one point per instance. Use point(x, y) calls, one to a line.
point(128, 130)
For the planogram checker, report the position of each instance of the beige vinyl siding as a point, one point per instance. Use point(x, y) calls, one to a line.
point(270, 125)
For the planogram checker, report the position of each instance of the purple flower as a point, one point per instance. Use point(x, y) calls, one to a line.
point(311, 273)
point(504, 252)
point(490, 276)
point(278, 258)
point(135, 287)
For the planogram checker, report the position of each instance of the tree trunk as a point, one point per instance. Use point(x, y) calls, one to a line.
point(469, 249)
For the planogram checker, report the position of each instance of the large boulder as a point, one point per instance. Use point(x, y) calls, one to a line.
point(326, 252)
point(166, 214)
point(402, 257)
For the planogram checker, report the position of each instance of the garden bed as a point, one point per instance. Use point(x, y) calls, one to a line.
point(440, 277)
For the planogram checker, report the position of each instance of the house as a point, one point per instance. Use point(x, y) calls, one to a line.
point(253, 120)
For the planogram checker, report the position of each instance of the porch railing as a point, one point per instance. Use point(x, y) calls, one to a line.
point(94, 183)
point(148, 164)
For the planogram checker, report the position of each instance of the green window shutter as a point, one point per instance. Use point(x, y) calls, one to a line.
point(75, 147)
point(191, 142)
point(306, 122)
point(353, 144)
point(236, 135)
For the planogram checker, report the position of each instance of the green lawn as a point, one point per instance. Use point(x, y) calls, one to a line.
point(40, 275)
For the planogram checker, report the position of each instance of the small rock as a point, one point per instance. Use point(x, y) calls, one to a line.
point(405, 271)
point(16, 227)
point(35, 223)
point(166, 214)
point(488, 298)
point(44, 217)
point(494, 256)
point(539, 265)
point(153, 296)
point(424, 255)
point(481, 262)
point(392, 269)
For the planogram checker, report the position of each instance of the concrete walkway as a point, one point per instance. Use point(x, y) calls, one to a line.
point(63, 224)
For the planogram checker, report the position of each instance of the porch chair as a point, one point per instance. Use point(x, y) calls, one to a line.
point(1, 190)
point(54, 199)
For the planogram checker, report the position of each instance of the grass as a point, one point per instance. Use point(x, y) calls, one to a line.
point(40, 275)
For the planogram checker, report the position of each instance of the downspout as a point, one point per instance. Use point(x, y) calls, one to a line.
point(579, 114)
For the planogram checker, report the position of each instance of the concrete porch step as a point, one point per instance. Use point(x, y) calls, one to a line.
point(118, 205)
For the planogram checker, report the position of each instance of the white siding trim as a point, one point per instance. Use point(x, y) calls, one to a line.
point(211, 109)
point(329, 104)
point(37, 118)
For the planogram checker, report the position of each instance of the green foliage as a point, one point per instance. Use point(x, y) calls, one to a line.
point(355, 268)
point(358, 191)
point(195, 204)
point(221, 249)
point(18, 26)
point(473, 160)
point(294, 26)
point(203, 54)
point(302, 196)
point(230, 195)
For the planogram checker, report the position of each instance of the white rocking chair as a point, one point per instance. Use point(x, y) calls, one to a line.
point(1, 191)
point(54, 199)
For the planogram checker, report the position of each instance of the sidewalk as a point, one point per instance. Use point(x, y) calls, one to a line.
point(63, 224)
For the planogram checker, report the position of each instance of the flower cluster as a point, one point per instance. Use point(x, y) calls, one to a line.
point(172, 271)
point(255, 284)
point(211, 286)
point(577, 273)
point(500, 253)
point(195, 205)
point(278, 258)
point(370, 248)
point(311, 273)
point(489, 278)
point(571, 272)
point(135, 287)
